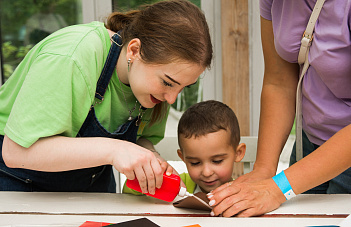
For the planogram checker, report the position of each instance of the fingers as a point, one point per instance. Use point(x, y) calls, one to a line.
point(149, 174)
point(164, 165)
point(158, 171)
point(245, 199)
point(222, 189)
point(170, 170)
point(228, 200)
point(230, 207)
point(140, 175)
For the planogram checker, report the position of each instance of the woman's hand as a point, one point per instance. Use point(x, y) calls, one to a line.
point(245, 199)
point(136, 161)
point(168, 168)
point(254, 176)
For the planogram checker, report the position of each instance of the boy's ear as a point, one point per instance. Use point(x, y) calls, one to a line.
point(180, 154)
point(240, 152)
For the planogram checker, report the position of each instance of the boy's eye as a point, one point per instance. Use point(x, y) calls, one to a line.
point(167, 84)
point(218, 161)
point(194, 163)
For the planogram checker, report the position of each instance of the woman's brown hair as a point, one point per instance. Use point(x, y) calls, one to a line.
point(169, 31)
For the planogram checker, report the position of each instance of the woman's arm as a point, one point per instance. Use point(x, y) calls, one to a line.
point(328, 161)
point(278, 100)
point(277, 107)
point(261, 195)
point(58, 153)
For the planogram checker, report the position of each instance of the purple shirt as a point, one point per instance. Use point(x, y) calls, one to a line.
point(326, 88)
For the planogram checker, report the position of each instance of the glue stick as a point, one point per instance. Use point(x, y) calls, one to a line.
point(169, 190)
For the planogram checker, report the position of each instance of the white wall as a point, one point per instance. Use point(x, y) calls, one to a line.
point(256, 65)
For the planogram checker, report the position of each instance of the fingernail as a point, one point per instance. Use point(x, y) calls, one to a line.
point(209, 196)
point(212, 202)
point(168, 174)
point(152, 192)
point(212, 214)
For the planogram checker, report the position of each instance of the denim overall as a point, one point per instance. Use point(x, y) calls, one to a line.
point(95, 179)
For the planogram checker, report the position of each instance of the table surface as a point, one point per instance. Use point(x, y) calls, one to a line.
point(72, 209)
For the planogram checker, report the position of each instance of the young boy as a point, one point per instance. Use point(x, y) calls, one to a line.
point(208, 137)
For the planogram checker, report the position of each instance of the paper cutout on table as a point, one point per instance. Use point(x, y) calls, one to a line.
point(137, 222)
point(198, 201)
point(94, 224)
point(193, 225)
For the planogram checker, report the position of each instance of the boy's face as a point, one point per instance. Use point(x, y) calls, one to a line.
point(209, 159)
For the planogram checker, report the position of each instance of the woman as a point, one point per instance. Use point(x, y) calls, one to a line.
point(326, 109)
point(93, 96)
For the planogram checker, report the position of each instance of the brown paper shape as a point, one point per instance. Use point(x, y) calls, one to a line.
point(198, 201)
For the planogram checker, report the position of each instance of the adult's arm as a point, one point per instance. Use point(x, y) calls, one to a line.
point(58, 153)
point(277, 107)
point(256, 197)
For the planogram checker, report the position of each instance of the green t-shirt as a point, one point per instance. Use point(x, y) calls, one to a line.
point(51, 91)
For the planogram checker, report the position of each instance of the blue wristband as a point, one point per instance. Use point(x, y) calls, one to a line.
point(284, 185)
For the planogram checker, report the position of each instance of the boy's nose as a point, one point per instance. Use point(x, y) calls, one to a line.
point(207, 171)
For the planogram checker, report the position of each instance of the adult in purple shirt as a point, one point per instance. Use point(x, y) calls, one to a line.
point(326, 108)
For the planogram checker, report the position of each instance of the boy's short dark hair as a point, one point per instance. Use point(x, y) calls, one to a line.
point(207, 117)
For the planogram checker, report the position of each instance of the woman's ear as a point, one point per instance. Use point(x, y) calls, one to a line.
point(240, 152)
point(180, 154)
point(133, 49)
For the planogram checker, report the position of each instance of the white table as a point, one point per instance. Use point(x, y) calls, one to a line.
point(22, 209)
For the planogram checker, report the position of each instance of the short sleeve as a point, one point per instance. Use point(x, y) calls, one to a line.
point(265, 9)
point(47, 104)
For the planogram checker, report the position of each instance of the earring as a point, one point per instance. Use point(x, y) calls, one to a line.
point(129, 61)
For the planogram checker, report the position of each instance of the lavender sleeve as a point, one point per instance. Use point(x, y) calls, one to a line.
point(265, 9)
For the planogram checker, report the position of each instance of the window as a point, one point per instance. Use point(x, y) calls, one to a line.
point(33, 21)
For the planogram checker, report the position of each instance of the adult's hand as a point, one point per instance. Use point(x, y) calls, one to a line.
point(168, 169)
point(254, 176)
point(135, 161)
point(246, 199)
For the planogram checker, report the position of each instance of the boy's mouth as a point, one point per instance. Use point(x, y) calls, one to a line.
point(210, 183)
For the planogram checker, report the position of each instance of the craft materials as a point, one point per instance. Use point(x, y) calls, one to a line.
point(169, 190)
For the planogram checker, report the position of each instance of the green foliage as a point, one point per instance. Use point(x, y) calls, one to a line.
point(13, 56)
point(13, 26)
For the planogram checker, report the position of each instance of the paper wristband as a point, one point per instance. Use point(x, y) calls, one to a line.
point(284, 185)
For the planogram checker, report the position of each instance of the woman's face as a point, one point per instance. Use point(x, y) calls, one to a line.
point(152, 84)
